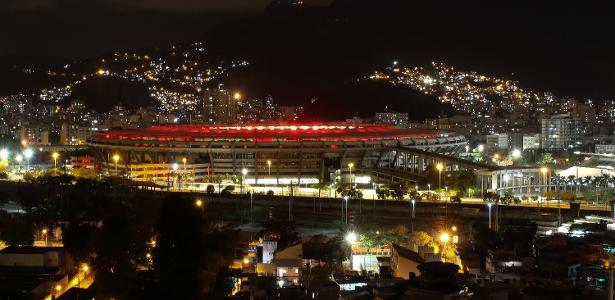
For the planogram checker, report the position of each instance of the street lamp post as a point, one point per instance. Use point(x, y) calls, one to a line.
point(116, 158)
point(350, 165)
point(55, 156)
point(46, 237)
point(346, 200)
point(244, 172)
point(489, 206)
point(444, 237)
point(19, 158)
point(412, 221)
point(175, 167)
point(440, 167)
point(351, 238)
point(251, 206)
point(28, 154)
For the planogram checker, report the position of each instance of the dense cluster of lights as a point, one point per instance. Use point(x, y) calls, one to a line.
point(475, 94)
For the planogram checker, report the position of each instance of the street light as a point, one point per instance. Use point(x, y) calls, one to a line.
point(489, 206)
point(429, 187)
point(350, 165)
point(544, 171)
point(269, 169)
point(44, 232)
point(244, 172)
point(19, 158)
point(444, 238)
point(116, 158)
point(516, 153)
point(55, 156)
point(346, 200)
point(4, 154)
point(351, 238)
point(184, 161)
point(28, 154)
point(440, 167)
point(198, 203)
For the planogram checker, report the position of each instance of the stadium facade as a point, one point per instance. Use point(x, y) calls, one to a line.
point(260, 154)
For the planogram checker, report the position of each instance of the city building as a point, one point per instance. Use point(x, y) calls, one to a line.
point(405, 261)
point(393, 118)
point(531, 141)
point(33, 272)
point(34, 135)
point(73, 134)
point(497, 141)
point(561, 132)
point(605, 149)
point(264, 154)
point(220, 106)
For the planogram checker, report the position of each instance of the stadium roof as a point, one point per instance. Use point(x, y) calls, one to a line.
point(270, 133)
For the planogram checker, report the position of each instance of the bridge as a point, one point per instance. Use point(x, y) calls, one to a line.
point(409, 165)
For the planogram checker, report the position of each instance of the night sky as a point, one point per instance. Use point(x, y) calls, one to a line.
point(565, 49)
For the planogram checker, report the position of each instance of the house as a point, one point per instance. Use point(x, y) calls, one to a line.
point(31, 272)
point(404, 261)
point(429, 254)
point(285, 264)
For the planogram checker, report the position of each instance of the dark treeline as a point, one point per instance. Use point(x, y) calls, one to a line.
point(140, 244)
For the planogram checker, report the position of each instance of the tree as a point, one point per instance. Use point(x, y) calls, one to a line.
point(282, 231)
point(17, 230)
point(507, 199)
point(464, 180)
point(120, 249)
point(491, 197)
point(382, 193)
point(331, 251)
point(210, 189)
point(422, 238)
point(484, 239)
point(179, 256)
point(77, 239)
point(398, 191)
point(545, 159)
point(456, 199)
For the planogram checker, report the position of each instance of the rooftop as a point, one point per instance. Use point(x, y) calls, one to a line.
point(269, 133)
point(28, 250)
point(408, 254)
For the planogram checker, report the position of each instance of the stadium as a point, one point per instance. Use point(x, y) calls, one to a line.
point(260, 154)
